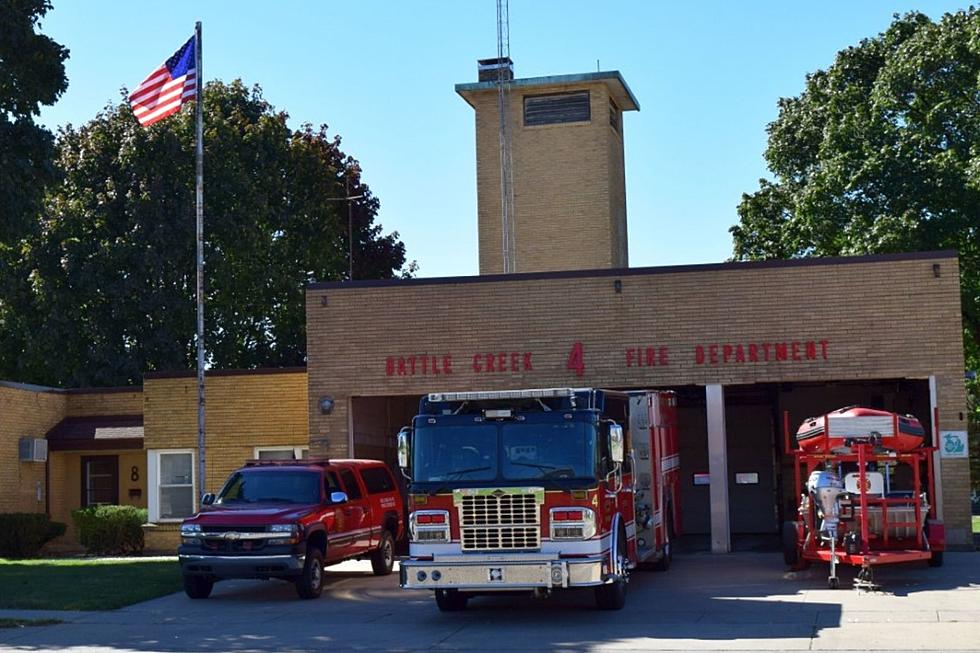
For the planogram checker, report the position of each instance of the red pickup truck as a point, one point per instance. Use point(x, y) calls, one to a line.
point(287, 519)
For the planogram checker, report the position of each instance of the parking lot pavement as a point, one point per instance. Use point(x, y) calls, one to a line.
point(743, 601)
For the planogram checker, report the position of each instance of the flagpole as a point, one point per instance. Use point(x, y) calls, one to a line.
point(199, 195)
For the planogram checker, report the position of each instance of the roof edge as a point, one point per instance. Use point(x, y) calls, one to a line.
point(189, 374)
point(644, 271)
point(555, 80)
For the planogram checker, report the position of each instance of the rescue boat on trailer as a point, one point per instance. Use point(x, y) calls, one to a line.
point(835, 430)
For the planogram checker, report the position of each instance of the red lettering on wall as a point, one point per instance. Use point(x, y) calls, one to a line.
point(447, 364)
point(796, 351)
point(713, 354)
point(726, 352)
point(781, 351)
point(576, 359)
point(739, 354)
point(753, 353)
point(489, 359)
point(389, 366)
point(823, 348)
point(811, 350)
point(527, 362)
point(630, 352)
point(419, 365)
point(699, 355)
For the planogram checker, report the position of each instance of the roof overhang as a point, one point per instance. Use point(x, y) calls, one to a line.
point(96, 433)
point(614, 81)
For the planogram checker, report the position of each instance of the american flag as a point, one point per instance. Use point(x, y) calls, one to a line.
point(164, 90)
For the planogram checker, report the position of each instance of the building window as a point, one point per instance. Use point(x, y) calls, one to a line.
point(281, 453)
point(100, 480)
point(558, 108)
point(615, 117)
point(172, 484)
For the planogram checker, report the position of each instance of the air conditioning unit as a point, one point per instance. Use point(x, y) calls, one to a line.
point(33, 450)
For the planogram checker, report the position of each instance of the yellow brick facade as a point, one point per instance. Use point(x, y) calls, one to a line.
point(25, 411)
point(243, 411)
point(883, 318)
point(568, 181)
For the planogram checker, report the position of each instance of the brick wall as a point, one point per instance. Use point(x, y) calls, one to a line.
point(25, 411)
point(104, 401)
point(242, 411)
point(882, 318)
point(569, 188)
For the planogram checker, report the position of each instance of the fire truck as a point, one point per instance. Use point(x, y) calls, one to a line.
point(539, 490)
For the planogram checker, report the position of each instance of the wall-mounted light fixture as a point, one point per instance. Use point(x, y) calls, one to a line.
point(326, 404)
point(936, 270)
point(618, 286)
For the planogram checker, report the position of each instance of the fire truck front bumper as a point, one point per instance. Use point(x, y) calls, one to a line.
point(502, 572)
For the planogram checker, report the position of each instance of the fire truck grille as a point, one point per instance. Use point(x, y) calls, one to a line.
point(505, 522)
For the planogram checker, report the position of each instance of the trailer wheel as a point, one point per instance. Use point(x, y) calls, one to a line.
point(937, 559)
point(791, 551)
point(451, 600)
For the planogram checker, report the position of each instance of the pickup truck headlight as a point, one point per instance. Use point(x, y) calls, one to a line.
point(189, 533)
point(572, 523)
point(429, 526)
point(284, 534)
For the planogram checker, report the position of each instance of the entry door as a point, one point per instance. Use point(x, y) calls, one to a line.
point(100, 480)
point(750, 469)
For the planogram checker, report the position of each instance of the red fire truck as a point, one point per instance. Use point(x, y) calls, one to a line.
point(538, 490)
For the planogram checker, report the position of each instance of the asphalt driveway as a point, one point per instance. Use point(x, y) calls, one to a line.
point(742, 601)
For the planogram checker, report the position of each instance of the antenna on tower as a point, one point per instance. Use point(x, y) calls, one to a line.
point(504, 76)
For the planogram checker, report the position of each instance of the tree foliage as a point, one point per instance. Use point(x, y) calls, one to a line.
point(880, 153)
point(112, 271)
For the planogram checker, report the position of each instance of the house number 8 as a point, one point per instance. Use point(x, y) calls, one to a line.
point(134, 473)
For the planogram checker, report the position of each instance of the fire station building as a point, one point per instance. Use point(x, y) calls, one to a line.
point(748, 347)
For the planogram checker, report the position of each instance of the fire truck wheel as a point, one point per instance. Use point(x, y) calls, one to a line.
point(937, 559)
point(310, 584)
point(451, 600)
point(612, 596)
point(383, 558)
point(198, 587)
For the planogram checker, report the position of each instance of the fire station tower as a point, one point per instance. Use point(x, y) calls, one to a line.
point(565, 135)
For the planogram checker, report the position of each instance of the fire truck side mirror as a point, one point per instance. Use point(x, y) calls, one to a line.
point(616, 443)
point(403, 448)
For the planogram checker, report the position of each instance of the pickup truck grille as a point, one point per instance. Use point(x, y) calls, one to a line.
point(500, 521)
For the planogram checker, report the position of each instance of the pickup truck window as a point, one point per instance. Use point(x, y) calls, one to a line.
point(350, 484)
point(330, 484)
point(280, 487)
point(377, 480)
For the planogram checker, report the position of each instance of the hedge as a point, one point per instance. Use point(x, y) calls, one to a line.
point(110, 529)
point(22, 534)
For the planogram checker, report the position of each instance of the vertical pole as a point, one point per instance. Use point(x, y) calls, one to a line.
point(721, 539)
point(199, 196)
point(350, 229)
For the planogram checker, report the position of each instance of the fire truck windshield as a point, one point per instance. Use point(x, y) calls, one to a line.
point(505, 451)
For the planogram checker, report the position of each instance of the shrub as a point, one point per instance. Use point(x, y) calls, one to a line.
point(22, 534)
point(110, 529)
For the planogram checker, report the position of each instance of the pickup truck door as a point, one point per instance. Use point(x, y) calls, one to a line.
point(357, 512)
point(339, 535)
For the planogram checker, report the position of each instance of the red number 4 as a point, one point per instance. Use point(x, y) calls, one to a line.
point(576, 359)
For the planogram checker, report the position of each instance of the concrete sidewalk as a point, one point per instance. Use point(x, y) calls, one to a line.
point(708, 603)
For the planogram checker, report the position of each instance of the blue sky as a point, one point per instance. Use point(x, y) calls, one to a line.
point(381, 74)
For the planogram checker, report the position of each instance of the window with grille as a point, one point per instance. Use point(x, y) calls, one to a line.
point(557, 108)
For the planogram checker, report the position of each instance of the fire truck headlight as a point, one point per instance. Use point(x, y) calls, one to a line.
point(429, 526)
point(572, 523)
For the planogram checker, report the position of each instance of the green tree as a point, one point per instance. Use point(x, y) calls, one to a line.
point(113, 273)
point(881, 153)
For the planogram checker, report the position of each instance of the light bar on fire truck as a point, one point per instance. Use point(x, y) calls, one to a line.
point(541, 393)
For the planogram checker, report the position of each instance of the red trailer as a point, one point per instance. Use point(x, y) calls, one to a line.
point(865, 500)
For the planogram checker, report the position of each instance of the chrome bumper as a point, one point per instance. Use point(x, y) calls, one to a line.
point(242, 566)
point(468, 572)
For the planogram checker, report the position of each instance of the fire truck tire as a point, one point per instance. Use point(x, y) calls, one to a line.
point(198, 587)
point(451, 600)
point(309, 584)
point(937, 559)
point(667, 556)
point(383, 558)
point(612, 596)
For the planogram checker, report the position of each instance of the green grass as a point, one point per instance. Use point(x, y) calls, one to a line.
point(79, 584)
point(20, 623)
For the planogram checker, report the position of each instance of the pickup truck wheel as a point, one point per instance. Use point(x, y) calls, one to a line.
point(310, 584)
point(383, 558)
point(198, 587)
point(451, 600)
